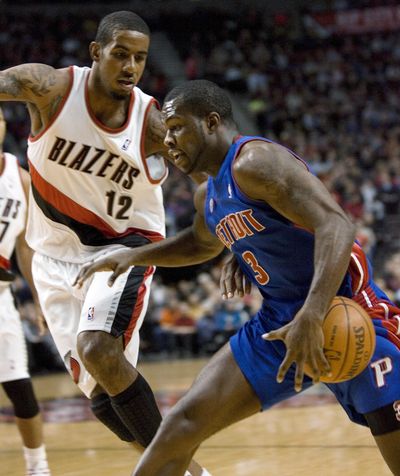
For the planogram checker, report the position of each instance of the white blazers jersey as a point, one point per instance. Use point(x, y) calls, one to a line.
point(92, 188)
point(13, 208)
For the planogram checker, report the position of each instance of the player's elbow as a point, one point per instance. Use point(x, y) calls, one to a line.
point(341, 224)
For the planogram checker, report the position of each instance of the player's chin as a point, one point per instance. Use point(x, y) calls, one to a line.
point(184, 165)
point(120, 93)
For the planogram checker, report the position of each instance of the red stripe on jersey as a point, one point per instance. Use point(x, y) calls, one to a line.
point(358, 269)
point(75, 369)
point(5, 263)
point(386, 312)
point(72, 209)
point(137, 310)
point(391, 333)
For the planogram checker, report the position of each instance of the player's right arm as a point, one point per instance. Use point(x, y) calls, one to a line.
point(36, 84)
point(193, 245)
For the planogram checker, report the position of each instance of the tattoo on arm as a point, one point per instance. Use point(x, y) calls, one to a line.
point(27, 81)
point(9, 85)
point(54, 105)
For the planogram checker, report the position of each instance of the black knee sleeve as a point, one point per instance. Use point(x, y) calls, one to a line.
point(21, 394)
point(137, 408)
point(385, 419)
point(104, 412)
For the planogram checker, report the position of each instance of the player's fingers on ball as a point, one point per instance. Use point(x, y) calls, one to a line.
point(299, 376)
point(315, 370)
point(324, 365)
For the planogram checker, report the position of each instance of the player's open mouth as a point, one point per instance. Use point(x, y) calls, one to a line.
point(177, 156)
point(126, 84)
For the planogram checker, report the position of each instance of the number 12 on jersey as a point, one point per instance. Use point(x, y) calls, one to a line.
point(117, 207)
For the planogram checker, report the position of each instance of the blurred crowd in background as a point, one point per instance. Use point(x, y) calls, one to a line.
point(333, 99)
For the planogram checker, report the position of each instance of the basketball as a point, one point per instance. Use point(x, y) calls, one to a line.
point(349, 339)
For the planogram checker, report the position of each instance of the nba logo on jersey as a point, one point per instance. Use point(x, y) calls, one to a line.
point(126, 144)
point(396, 407)
point(90, 314)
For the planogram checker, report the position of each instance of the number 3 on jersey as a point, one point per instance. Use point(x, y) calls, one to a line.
point(260, 274)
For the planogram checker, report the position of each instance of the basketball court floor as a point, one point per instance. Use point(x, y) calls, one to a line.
point(308, 435)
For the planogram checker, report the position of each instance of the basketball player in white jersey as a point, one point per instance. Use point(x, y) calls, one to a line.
point(96, 186)
point(14, 375)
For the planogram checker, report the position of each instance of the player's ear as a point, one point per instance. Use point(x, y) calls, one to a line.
point(94, 50)
point(213, 121)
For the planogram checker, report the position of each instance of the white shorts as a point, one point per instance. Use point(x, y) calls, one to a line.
point(13, 354)
point(118, 310)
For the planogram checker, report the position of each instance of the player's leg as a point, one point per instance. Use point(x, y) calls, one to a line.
point(108, 344)
point(389, 445)
point(237, 382)
point(373, 398)
point(62, 306)
point(18, 386)
point(30, 425)
point(219, 397)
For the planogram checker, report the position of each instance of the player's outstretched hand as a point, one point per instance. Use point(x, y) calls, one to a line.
point(116, 261)
point(304, 341)
point(233, 279)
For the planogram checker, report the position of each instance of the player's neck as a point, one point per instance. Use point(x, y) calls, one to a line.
point(111, 112)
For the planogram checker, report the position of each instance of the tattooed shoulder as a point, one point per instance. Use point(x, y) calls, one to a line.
point(28, 81)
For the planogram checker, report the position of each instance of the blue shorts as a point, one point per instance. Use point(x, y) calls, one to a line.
point(259, 360)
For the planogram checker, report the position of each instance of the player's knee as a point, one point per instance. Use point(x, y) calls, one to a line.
point(182, 428)
point(97, 348)
point(22, 397)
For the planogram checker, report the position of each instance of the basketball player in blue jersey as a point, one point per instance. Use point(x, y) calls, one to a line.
point(95, 158)
point(293, 242)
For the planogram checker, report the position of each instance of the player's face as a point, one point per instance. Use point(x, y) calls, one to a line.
point(121, 62)
point(184, 138)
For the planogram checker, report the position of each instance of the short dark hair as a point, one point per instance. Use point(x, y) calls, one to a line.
point(123, 20)
point(200, 97)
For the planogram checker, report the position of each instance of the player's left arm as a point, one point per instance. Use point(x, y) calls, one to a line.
point(24, 255)
point(269, 172)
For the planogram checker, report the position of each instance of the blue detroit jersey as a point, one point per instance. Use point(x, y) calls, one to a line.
point(274, 253)
point(278, 257)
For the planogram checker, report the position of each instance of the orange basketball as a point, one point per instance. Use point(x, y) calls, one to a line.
point(349, 339)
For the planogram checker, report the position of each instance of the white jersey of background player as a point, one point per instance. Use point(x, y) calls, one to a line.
point(14, 374)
